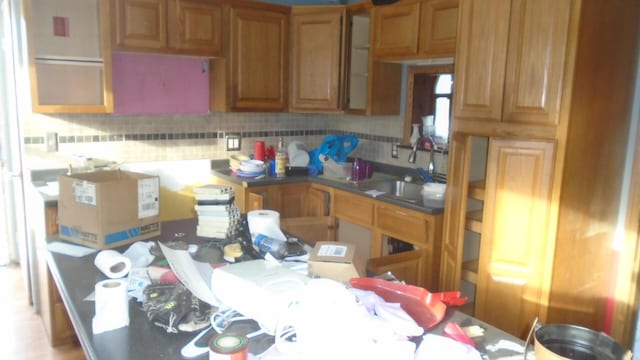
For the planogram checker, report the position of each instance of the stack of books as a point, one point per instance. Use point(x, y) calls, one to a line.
point(218, 216)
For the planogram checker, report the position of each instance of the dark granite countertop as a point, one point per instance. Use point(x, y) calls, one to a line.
point(76, 278)
point(221, 169)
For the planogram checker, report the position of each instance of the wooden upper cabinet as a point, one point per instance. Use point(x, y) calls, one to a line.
point(317, 57)
point(195, 26)
point(438, 28)
point(416, 29)
point(258, 59)
point(139, 24)
point(510, 65)
point(69, 43)
point(396, 29)
point(192, 27)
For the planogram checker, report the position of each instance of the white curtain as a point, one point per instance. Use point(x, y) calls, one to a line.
point(12, 67)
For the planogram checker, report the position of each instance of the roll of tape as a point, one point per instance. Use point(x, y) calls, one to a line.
point(112, 306)
point(228, 347)
point(232, 251)
point(112, 263)
point(265, 222)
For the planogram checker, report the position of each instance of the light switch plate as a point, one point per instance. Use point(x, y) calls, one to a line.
point(51, 141)
point(394, 151)
point(233, 142)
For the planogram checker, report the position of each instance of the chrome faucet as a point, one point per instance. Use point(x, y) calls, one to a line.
point(431, 168)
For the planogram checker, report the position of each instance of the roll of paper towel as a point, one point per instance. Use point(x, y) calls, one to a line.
point(298, 154)
point(112, 263)
point(112, 306)
point(265, 222)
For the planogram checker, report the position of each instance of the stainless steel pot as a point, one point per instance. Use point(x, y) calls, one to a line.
point(571, 342)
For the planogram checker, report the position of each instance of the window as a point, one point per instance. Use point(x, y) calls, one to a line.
point(442, 105)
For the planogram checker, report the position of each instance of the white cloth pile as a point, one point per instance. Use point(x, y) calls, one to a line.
point(331, 321)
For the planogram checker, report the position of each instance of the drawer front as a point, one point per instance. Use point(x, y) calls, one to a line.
point(401, 224)
point(354, 208)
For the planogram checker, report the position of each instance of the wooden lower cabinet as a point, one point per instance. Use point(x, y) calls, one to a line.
point(513, 269)
point(385, 222)
point(57, 324)
point(316, 212)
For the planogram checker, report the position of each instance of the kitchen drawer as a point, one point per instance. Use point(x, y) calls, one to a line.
point(402, 224)
point(70, 83)
point(355, 208)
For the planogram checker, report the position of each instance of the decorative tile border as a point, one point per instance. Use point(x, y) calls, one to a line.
point(73, 139)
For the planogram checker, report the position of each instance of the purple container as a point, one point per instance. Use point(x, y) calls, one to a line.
point(358, 170)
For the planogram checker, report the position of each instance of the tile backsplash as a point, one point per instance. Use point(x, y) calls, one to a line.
point(180, 137)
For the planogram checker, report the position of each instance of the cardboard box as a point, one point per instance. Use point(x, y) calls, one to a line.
point(107, 209)
point(336, 260)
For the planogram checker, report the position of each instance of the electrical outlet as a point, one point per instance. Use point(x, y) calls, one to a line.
point(394, 151)
point(233, 142)
point(51, 141)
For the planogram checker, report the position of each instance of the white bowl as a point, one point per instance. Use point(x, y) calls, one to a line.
point(252, 166)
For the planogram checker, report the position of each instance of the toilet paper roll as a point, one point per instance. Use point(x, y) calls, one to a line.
point(112, 306)
point(265, 222)
point(112, 263)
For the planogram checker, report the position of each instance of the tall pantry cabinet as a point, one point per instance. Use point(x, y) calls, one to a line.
point(548, 84)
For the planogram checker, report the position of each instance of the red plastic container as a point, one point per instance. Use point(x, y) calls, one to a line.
point(426, 308)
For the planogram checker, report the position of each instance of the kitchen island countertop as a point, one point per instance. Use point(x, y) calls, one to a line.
point(76, 278)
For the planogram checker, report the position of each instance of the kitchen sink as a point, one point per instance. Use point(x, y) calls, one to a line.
point(396, 188)
point(402, 190)
point(399, 189)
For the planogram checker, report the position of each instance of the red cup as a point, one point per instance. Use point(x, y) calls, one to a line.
point(258, 150)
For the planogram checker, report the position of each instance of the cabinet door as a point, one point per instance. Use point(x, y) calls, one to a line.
point(395, 30)
point(535, 61)
point(293, 200)
point(316, 58)
point(195, 27)
point(455, 211)
point(258, 59)
point(410, 267)
point(438, 28)
point(140, 24)
point(480, 59)
point(510, 62)
point(69, 43)
point(515, 241)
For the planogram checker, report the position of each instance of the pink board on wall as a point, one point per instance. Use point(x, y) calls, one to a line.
point(159, 84)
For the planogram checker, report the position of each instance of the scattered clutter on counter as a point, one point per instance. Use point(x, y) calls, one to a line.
point(307, 296)
point(218, 215)
point(335, 147)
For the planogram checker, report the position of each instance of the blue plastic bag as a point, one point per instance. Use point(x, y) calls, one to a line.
point(337, 147)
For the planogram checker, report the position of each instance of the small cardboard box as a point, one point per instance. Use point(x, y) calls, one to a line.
point(336, 260)
point(106, 209)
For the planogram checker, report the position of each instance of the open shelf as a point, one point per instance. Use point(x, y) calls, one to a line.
point(474, 221)
point(470, 271)
point(476, 189)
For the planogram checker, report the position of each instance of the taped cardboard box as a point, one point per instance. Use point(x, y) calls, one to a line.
point(336, 260)
point(107, 209)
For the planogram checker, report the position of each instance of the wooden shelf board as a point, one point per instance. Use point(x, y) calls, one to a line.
point(474, 221)
point(470, 271)
point(476, 189)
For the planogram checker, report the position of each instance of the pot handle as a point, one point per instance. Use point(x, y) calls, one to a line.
point(535, 326)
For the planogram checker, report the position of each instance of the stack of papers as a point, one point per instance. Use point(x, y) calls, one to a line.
point(218, 215)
